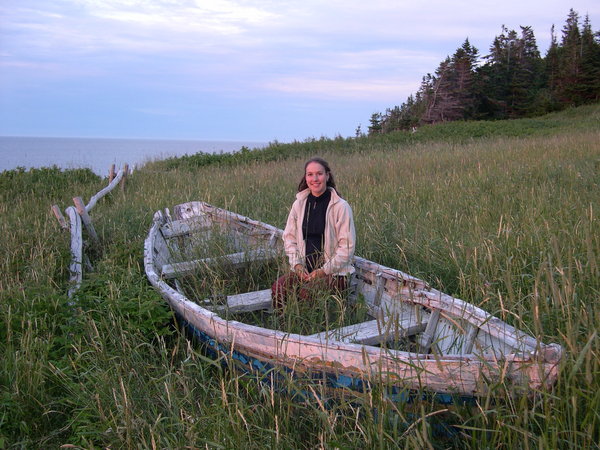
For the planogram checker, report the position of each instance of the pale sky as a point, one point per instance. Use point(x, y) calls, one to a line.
point(255, 70)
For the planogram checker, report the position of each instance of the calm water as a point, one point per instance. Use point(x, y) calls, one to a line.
point(99, 154)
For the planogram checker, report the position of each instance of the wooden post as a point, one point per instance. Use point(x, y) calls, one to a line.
point(76, 251)
point(125, 172)
point(111, 173)
point(85, 218)
point(60, 217)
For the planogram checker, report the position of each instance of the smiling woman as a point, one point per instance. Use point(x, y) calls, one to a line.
point(319, 238)
point(316, 177)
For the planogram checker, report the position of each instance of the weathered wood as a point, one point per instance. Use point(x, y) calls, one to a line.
point(221, 216)
point(467, 374)
point(426, 339)
point(448, 335)
point(104, 191)
point(496, 328)
point(469, 340)
point(75, 268)
point(59, 216)
point(374, 332)
point(379, 286)
point(369, 269)
point(235, 260)
point(247, 302)
point(178, 228)
point(111, 173)
point(161, 252)
point(77, 215)
point(273, 239)
point(86, 219)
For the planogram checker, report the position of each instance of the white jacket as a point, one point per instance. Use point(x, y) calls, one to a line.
point(339, 234)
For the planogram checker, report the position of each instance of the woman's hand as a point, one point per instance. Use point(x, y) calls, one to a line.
point(319, 273)
point(301, 271)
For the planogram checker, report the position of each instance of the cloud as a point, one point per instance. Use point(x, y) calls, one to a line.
point(248, 52)
point(217, 18)
point(371, 89)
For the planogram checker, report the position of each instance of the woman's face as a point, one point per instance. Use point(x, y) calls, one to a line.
point(316, 178)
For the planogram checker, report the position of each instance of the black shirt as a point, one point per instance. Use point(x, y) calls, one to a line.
point(313, 228)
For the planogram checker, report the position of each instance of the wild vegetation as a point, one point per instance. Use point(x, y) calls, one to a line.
point(501, 214)
point(512, 81)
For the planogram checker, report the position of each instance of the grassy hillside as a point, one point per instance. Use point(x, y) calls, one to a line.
point(501, 214)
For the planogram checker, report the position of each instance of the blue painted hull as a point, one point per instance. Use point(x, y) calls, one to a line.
point(337, 384)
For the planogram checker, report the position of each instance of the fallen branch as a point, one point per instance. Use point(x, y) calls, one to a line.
point(106, 190)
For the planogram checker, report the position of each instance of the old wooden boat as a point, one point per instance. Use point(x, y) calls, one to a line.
point(454, 348)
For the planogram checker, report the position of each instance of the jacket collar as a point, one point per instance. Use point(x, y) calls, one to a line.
point(303, 195)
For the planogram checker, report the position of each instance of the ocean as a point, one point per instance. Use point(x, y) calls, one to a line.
point(98, 154)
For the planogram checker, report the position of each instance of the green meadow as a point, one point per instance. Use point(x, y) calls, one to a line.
point(504, 215)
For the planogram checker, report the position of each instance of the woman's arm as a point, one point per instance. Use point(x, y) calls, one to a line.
point(346, 240)
point(290, 240)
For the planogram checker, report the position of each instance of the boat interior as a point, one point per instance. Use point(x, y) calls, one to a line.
point(397, 307)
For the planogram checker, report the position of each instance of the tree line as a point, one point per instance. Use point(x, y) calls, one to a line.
point(513, 80)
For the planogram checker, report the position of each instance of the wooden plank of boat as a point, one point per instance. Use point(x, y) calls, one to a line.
point(246, 302)
point(373, 332)
point(177, 228)
point(426, 339)
point(235, 260)
point(371, 271)
point(192, 210)
point(469, 341)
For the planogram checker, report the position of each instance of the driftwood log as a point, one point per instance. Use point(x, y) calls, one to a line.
point(80, 214)
point(106, 190)
point(75, 268)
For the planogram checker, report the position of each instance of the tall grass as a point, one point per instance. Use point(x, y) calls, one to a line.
point(507, 220)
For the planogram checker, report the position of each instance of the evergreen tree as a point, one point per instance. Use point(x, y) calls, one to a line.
point(589, 85)
point(528, 77)
point(495, 75)
point(375, 123)
point(512, 75)
point(450, 95)
point(569, 75)
point(464, 63)
point(547, 99)
point(515, 80)
point(437, 97)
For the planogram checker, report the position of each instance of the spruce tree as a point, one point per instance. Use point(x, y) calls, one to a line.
point(569, 76)
point(547, 99)
point(589, 85)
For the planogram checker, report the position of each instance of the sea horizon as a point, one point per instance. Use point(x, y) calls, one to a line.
point(99, 154)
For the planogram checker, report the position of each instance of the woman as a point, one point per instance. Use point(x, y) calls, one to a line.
point(319, 237)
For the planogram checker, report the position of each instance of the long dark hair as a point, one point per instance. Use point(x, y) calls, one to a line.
point(330, 182)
